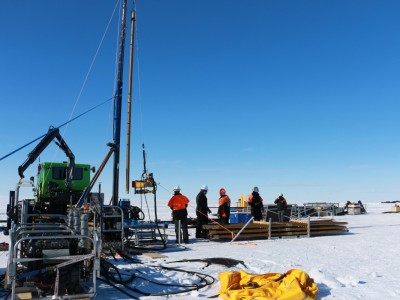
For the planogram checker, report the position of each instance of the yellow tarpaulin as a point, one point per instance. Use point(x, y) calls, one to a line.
point(294, 284)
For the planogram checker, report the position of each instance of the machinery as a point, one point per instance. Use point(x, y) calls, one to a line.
point(55, 245)
point(57, 236)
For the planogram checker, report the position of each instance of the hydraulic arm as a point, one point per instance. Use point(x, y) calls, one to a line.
point(53, 133)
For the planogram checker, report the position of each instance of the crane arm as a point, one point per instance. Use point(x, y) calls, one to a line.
point(33, 155)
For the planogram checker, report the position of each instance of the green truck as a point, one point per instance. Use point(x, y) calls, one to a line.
point(59, 184)
point(54, 192)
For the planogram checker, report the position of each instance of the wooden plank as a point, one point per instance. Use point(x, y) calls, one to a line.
point(318, 222)
point(154, 255)
point(232, 229)
point(226, 236)
point(244, 232)
point(298, 221)
point(236, 231)
point(327, 227)
point(327, 224)
point(236, 226)
point(24, 296)
point(289, 230)
point(260, 229)
point(288, 225)
point(288, 233)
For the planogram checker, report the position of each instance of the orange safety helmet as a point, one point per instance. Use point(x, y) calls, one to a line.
point(222, 191)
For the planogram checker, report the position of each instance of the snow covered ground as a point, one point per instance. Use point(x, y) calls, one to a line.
point(362, 264)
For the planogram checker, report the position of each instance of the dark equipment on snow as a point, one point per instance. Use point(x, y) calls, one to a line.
point(227, 262)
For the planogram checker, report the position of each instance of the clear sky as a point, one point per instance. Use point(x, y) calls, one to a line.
point(298, 97)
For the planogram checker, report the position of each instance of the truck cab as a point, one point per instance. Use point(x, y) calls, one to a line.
point(52, 194)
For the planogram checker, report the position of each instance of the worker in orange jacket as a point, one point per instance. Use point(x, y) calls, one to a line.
point(178, 204)
point(224, 207)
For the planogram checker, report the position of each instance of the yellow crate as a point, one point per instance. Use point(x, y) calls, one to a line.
point(396, 208)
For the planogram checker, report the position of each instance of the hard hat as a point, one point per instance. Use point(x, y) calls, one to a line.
point(177, 188)
point(204, 187)
point(280, 195)
point(255, 189)
point(222, 191)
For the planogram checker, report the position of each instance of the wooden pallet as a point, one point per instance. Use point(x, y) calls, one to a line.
point(252, 230)
point(323, 226)
point(261, 229)
point(286, 229)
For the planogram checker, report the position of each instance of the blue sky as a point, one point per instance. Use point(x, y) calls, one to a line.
point(298, 97)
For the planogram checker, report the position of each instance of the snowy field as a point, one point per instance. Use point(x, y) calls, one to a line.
point(362, 264)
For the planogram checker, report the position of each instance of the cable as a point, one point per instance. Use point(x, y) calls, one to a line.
point(94, 58)
point(205, 279)
point(106, 266)
point(117, 288)
point(81, 90)
point(4, 293)
point(71, 120)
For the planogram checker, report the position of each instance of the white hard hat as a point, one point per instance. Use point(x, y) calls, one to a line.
point(280, 195)
point(177, 188)
point(204, 187)
point(255, 189)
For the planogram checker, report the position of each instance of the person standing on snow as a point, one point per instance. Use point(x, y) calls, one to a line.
point(224, 207)
point(202, 210)
point(282, 204)
point(178, 204)
point(256, 203)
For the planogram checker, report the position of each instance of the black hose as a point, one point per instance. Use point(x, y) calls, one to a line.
point(205, 279)
point(105, 267)
point(117, 288)
point(5, 293)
